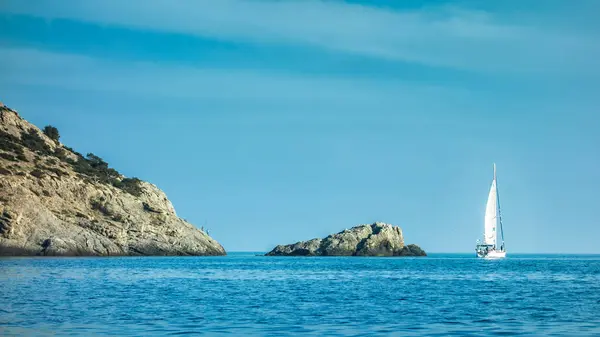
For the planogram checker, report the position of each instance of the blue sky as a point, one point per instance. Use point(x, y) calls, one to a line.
point(279, 121)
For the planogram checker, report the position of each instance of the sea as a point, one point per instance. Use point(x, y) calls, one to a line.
point(244, 294)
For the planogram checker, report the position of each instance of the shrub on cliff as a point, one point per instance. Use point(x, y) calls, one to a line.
point(96, 168)
point(46, 169)
point(91, 166)
point(60, 153)
point(37, 173)
point(73, 151)
point(8, 156)
point(34, 142)
point(52, 133)
point(100, 206)
point(132, 186)
point(51, 161)
point(10, 143)
point(99, 171)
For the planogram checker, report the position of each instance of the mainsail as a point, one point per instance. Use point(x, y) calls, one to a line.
point(491, 211)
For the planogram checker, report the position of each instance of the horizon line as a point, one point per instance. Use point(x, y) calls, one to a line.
point(517, 253)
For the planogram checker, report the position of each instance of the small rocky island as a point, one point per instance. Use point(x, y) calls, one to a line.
point(378, 239)
point(56, 201)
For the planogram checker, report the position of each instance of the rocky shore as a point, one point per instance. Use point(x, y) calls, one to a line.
point(378, 239)
point(55, 201)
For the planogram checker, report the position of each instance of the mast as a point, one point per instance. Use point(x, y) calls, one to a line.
point(499, 212)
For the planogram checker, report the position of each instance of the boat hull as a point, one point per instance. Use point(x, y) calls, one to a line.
point(493, 254)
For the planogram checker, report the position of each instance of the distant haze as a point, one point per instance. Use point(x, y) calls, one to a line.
point(281, 121)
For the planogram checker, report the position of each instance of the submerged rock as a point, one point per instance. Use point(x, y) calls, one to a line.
point(54, 201)
point(378, 239)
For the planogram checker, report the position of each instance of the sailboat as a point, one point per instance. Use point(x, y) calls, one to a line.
point(489, 247)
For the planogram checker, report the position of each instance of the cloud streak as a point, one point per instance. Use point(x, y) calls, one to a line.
point(442, 37)
point(24, 66)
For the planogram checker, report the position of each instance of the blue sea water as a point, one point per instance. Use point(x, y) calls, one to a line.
point(247, 295)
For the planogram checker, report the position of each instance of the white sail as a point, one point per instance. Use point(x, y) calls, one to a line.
point(491, 211)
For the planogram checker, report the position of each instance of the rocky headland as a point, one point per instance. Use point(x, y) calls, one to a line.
point(378, 239)
point(56, 201)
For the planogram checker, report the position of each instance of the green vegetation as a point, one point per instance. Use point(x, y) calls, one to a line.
point(98, 170)
point(35, 143)
point(52, 133)
point(98, 205)
point(8, 156)
point(91, 167)
point(59, 173)
point(73, 151)
point(130, 185)
point(10, 143)
point(37, 173)
point(51, 161)
point(61, 154)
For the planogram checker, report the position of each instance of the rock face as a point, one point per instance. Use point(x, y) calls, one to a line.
point(50, 204)
point(378, 239)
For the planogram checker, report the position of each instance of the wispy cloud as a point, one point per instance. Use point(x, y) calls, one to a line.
point(26, 66)
point(446, 37)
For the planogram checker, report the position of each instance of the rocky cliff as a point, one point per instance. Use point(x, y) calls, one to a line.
point(378, 239)
point(55, 201)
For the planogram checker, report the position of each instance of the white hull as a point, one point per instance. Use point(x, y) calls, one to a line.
point(494, 254)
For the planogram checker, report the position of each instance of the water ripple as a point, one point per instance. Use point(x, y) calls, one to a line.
point(259, 296)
